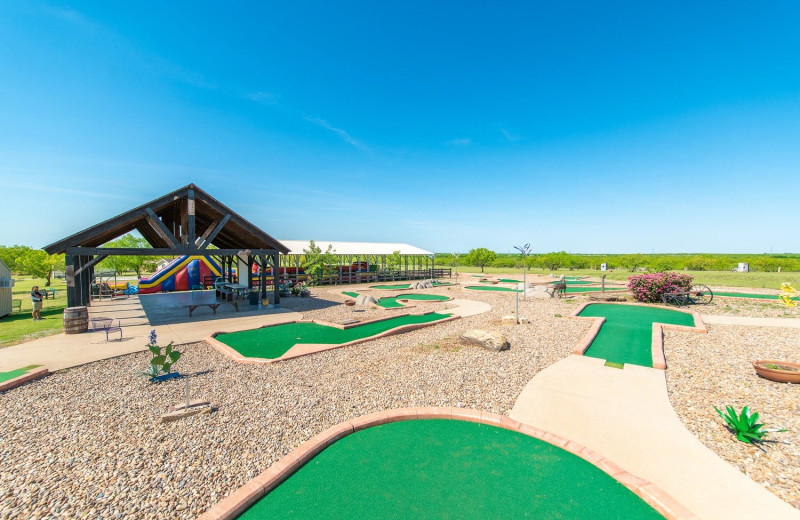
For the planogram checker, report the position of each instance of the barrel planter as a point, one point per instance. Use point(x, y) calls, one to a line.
point(76, 320)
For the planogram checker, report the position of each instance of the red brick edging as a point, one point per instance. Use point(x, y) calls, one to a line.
point(657, 345)
point(35, 373)
point(238, 501)
point(307, 349)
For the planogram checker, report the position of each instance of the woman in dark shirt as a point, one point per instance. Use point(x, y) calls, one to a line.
point(36, 300)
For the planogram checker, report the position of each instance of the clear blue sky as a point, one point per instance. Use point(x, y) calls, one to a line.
point(582, 126)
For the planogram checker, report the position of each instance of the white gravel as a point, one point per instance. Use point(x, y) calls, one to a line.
point(84, 443)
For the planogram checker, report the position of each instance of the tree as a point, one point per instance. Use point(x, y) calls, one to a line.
point(555, 260)
point(480, 257)
point(632, 262)
point(316, 263)
point(122, 263)
point(39, 264)
point(12, 255)
point(394, 261)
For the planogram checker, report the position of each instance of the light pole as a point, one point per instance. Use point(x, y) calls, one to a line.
point(433, 261)
point(524, 250)
point(455, 258)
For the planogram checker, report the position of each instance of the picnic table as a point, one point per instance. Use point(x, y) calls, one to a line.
point(48, 293)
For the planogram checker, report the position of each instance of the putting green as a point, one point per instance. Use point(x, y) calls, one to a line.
point(508, 280)
point(627, 334)
point(392, 303)
point(8, 376)
point(273, 342)
point(405, 285)
point(576, 282)
point(751, 295)
point(491, 288)
point(447, 469)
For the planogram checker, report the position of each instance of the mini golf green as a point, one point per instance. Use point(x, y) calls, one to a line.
point(593, 289)
point(575, 282)
point(392, 303)
point(751, 295)
point(627, 334)
point(508, 280)
point(491, 288)
point(405, 285)
point(447, 469)
point(273, 342)
point(8, 376)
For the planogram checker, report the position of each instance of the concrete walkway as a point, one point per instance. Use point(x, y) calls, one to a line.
point(625, 415)
point(169, 317)
point(793, 323)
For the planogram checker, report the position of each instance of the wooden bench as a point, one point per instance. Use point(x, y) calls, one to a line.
point(213, 306)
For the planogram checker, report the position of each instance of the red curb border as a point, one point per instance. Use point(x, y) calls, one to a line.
point(35, 373)
point(237, 502)
point(657, 343)
point(309, 348)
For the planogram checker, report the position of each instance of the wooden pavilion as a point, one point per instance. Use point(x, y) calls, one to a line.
point(186, 221)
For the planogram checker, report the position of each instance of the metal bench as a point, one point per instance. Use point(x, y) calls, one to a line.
point(212, 305)
point(17, 305)
point(105, 325)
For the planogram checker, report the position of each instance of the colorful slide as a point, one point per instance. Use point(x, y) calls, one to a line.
point(180, 275)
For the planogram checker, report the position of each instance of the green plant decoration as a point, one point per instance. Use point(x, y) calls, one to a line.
point(161, 363)
point(745, 425)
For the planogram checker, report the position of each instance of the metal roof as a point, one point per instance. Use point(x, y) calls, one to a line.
point(355, 248)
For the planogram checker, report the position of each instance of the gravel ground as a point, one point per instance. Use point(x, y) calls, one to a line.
point(714, 369)
point(754, 308)
point(84, 443)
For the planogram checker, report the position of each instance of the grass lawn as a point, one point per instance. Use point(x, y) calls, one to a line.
point(710, 278)
point(19, 326)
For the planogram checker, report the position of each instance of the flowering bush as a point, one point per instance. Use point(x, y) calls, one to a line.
point(650, 287)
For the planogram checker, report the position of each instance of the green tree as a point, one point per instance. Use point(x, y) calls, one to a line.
point(480, 257)
point(555, 260)
point(122, 263)
point(394, 260)
point(38, 264)
point(12, 255)
point(631, 262)
point(318, 263)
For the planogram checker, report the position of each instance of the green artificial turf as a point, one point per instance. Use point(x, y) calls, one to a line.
point(627, 334)
point(273, 342)
point(508, 280)
point(491, 288)
point(7, 376)
point(751, 295)
point(392, 303)
point(446, 469)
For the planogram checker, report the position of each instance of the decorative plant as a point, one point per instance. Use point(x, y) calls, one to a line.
point(161, 363)
point(650, 287)
point(787, 293)
point(745, 425)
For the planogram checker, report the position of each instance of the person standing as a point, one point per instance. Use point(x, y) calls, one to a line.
point(36, 300)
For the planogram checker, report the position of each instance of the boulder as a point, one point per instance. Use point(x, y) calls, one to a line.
point(421, 284)
point(511, 319)
point(537, 291)
point(486, 339)
point(365, 299)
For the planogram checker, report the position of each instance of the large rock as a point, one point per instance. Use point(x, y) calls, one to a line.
point(421, 284)
point(365, 299)
point(511, 319)
point(486, 339)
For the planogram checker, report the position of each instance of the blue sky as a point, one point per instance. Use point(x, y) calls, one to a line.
point(583, 126)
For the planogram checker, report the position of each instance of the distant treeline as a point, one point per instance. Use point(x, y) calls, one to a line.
point(629, 262)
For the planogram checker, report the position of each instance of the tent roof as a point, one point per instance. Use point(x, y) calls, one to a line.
point(356, 248)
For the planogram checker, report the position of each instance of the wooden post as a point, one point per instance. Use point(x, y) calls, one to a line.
point(275, 270)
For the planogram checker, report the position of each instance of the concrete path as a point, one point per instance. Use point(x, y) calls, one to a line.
point(626, 416)
point(793, 323)
point(170, 319)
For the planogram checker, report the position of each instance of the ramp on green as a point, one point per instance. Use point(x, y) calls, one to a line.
point(405, 285)
point(491, 288)
point(627, 334)
point(273, 342)
point(751, 295)
point(447, 469)
point(8, 376)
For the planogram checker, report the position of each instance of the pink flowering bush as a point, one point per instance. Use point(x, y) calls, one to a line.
point(649, 287)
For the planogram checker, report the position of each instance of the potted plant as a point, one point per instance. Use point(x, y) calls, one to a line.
point(779, 371)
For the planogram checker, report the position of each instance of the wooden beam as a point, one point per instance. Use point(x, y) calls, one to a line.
point(216, 231)
point(161, 229)
point(190, 231)
point(162, 251)
point(91, 263)
point(201, 239)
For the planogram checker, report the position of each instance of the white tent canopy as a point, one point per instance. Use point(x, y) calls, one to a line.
point(355, 248)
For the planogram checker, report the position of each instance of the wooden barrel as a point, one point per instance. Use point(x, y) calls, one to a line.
point(76, 320)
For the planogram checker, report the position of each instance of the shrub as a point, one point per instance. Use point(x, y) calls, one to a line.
point(650, 287)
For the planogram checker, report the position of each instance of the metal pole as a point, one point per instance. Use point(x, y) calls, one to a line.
point(524, 250)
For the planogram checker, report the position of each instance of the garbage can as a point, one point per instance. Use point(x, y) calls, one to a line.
point(253, 297)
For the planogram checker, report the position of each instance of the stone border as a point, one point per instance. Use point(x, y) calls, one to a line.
point(304, 349)
point(657, 343)
point(34, 373)
point(237, 502)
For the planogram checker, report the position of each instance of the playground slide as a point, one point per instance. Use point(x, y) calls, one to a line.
point(180, 275)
